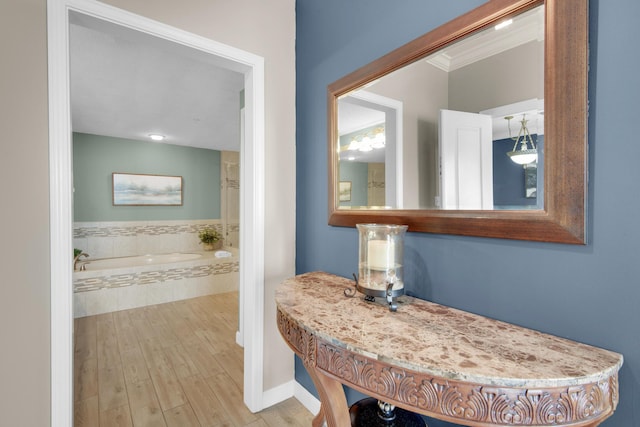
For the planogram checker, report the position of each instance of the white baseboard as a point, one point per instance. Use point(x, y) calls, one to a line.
point(307, 399)
point(291, 389)
point(277, 394)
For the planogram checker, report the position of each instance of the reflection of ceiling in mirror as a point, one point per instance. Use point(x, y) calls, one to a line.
point(352, 118)
point(355, 114)
point(532, 110)
point(526, 27)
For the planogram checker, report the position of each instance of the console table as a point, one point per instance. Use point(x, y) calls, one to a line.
point(439, 361)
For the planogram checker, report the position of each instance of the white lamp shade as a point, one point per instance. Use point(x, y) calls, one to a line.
point(523, 157)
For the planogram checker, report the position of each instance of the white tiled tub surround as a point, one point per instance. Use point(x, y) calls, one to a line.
point(103, 291)
point(130, 238)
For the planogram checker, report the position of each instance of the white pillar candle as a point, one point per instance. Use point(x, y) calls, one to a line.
point(380, 254)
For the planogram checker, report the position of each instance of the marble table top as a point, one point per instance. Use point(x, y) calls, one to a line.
point(440, 341)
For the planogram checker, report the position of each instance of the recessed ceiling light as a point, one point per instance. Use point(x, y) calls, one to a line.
point(156, 137)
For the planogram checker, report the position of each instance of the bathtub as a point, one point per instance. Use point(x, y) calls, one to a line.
point(113, 284)
point(134, 261)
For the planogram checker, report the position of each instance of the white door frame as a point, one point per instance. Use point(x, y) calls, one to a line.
point(61, 196)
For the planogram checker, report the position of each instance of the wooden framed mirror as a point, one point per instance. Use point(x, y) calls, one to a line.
point(401, 190)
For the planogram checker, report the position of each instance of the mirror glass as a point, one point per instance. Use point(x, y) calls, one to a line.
point(445, 131)
point(405, 131)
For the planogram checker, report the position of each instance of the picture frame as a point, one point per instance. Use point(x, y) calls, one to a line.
point(131, 189)
point(344, 188)
point(531, 181)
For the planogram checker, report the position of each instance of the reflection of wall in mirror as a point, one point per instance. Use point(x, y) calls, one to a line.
point(511, 76)
point(422, 88)
point(509, 178)
point(356, 173)
point(531, 181)
point(375, 185)
point(506, 78)
point(367, 183)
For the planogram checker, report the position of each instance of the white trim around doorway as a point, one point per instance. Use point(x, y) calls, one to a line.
point(61, 201)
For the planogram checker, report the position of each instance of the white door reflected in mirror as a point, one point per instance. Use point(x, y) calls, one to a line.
point(466, 160)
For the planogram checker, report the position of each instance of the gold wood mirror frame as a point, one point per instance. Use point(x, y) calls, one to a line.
point(562, 219)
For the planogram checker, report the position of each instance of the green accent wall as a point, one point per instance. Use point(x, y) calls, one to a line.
point(96, 157)
point(357, 173)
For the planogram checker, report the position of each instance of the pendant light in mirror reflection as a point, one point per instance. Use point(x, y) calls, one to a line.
point(527, 153)
point(380, 262)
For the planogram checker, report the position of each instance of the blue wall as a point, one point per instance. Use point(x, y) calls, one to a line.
point(509, 177)
point(587, 293)
point(96, 157)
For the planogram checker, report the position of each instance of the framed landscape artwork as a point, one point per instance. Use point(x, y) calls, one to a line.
point(345, 191)
point(146, 190)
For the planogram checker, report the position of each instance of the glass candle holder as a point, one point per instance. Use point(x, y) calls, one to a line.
point(380, 267)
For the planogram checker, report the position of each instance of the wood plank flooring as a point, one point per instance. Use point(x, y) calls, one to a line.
point(168, 365)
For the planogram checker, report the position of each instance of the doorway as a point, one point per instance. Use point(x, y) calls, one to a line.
point(61, 201)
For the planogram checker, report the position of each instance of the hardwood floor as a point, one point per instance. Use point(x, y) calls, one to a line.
point(173, 365)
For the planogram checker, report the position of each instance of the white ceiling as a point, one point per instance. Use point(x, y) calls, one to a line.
point(353, 117)
point(128, 84)
point(525, 27)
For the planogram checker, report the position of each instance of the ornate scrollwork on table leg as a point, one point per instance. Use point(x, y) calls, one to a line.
point(304, 344)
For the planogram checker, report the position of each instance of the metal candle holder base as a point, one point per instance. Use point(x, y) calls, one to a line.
point(370, 295)
point(371, 412)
